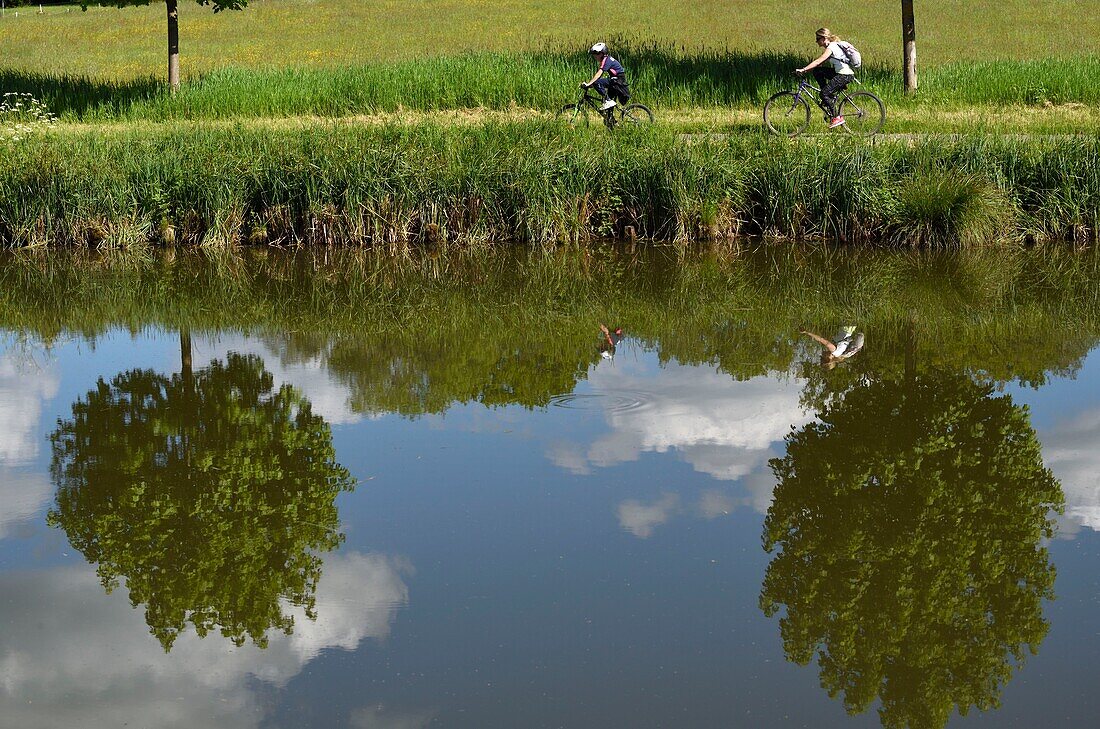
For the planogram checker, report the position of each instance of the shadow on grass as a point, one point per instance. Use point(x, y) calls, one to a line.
point(723, 77)
point(661, 76)
point(79, 96)
point(711, 76)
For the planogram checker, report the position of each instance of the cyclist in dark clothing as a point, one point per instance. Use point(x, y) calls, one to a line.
point(610, 78)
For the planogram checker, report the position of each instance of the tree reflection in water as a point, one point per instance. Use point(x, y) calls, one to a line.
point(211, 493)
point(910, 522)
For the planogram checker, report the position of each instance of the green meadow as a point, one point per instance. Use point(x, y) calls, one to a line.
point(441, 113)
point(695, 61)
point(108, 43)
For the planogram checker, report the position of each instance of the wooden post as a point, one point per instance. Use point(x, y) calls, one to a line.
point(173, 45)
point(909, 46)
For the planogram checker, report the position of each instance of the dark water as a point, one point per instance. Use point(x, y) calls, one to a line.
point(396, 525)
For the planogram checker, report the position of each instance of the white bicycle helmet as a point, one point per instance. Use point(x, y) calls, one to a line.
point(600, 47)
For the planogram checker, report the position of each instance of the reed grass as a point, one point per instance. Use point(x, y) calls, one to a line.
point(396, 186)
point(934, 209)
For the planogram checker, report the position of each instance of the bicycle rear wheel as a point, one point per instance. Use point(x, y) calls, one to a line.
point(786, 114)
point(637, 114)
point(573, 115)
point(864, 113)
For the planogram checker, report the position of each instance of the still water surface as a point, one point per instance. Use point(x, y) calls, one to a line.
point(228, 528)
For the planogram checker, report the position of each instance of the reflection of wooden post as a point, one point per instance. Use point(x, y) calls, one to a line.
point(185, 357)
point(173, 45)
point(909, 46)
point(911, 348)
point(189, 404)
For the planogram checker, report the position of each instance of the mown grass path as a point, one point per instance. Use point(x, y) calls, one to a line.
point(1070, 119)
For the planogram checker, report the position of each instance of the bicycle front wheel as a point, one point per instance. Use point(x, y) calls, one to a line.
point(864, 113)
point(573, 114)
point(637, 114)
point(786, 114)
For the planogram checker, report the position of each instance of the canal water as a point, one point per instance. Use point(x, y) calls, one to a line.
point(247, 495)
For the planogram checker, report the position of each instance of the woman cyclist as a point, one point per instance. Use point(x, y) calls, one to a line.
point(610, 78)
point(832, 76)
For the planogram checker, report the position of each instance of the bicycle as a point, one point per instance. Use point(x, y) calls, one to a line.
point(787, 113)
point(576, 114)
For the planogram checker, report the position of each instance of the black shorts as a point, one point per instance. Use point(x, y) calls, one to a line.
point(619, 89)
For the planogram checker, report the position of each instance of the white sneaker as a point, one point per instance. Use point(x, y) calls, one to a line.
point(609, 104)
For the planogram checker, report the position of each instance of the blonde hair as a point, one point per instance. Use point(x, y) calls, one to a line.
point(827, 35)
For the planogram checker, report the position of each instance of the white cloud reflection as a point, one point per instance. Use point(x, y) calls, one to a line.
point(24, 385)
point(1071, 451)
point(713, 504)
point(27, 380)
point(23, 497)
point(721, 427)
point(72, 656)
point(309, 375)
point(641, 519)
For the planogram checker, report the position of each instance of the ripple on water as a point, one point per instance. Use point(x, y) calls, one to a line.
point(619, 401)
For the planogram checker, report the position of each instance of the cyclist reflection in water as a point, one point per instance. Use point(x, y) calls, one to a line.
point(611, 339)
point(847, 345)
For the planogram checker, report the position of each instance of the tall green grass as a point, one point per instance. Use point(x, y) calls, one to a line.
point(661, 76)
point(400, 186)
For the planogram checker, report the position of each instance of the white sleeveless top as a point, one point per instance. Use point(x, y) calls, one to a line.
point(838, 59)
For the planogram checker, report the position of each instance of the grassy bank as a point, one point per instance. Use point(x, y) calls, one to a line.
point(399, 186)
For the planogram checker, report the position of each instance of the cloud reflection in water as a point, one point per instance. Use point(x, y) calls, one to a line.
point(725, 428)
point(68, 647)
